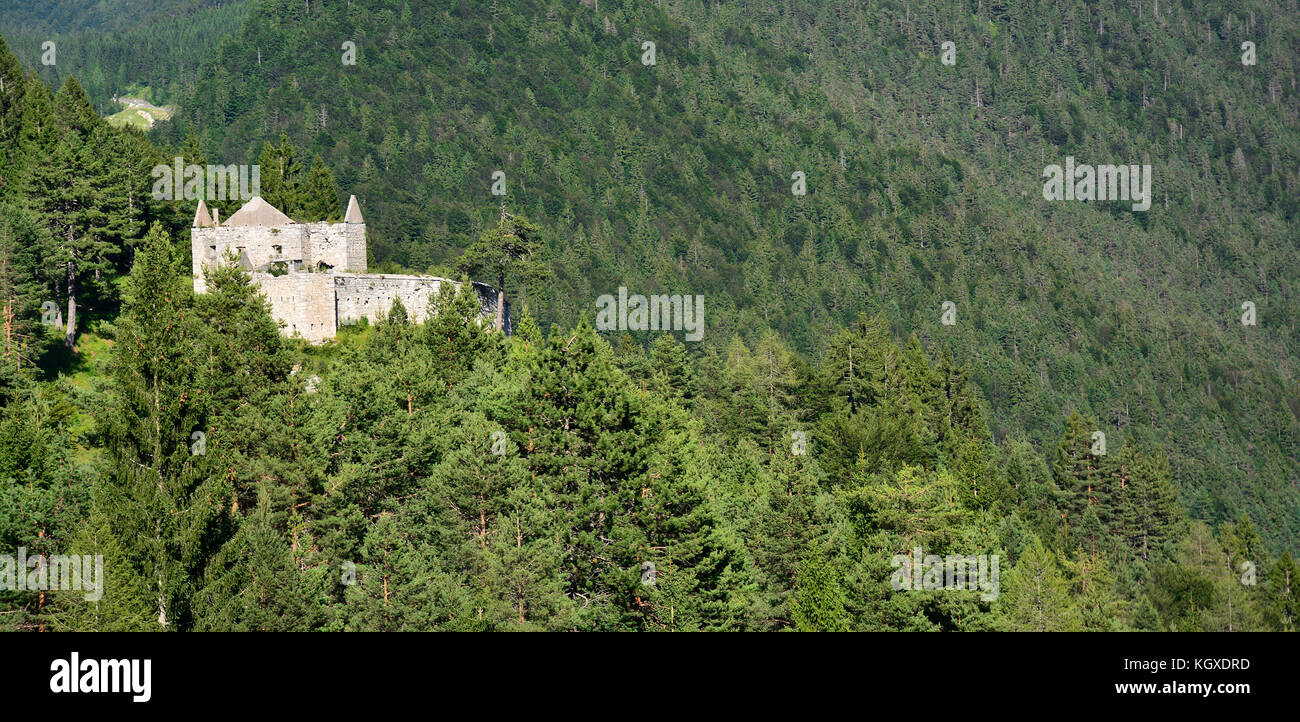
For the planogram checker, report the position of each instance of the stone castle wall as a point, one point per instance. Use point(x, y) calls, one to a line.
point(371, 295)
point(340, 246)
point(262, 245)
point(487, 301)
point(303, 301)
point(356, 244)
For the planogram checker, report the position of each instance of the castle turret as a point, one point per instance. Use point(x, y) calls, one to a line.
point(354, 212)
point(202, 219)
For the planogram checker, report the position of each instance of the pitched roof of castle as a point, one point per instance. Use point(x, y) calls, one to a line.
point(258, 212)
point(202, 219)
point(354, 212)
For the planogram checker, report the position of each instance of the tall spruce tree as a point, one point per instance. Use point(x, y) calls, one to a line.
point(1150, 516)
point(1087, 476)
point(818, 604)
point(319, 194)
point(164, 501)
point(281, 176)
point(1283, 599)
point(13, 119)
point(584, 438)
point(1036, 596)
point(23, 334)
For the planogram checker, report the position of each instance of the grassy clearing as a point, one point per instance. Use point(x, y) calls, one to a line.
point(140, 116)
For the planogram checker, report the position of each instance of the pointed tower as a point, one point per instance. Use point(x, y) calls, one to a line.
point(202, 219)
point(354, 230)
point(353, 214)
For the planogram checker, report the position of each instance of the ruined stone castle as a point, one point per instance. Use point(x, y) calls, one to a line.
point(314, 274)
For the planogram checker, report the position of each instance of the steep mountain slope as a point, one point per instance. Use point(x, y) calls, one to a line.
point(924, 184)
point(67, 16)
point(116, 47)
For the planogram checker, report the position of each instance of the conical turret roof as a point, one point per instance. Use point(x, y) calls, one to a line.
point(202, 218)
point(258, 212)
point(354, 211)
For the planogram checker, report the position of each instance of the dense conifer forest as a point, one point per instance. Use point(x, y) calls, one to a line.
point(908, 352)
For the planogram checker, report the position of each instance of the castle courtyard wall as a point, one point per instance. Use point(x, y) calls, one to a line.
point(371, 295)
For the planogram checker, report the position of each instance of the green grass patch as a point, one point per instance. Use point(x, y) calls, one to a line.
point(142, 117)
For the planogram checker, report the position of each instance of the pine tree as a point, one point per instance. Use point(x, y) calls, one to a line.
point(1035, 596)
point(1199, 591)
point(13, 119)
point(456, 337)
point(786, 520)
point(495, 521)
point(72, 207)
point(192, 148)
point(319, 195)
point(1150, 515)
point(88, 191)
point(252, 583)
point(585, 439)
point(127, 601)
point(1088, 479)
point(774, 376)
point(818, 604)
point(523, 569)
point(859, 365)
point(509, 252)
point(959, 404)
point(401, 588)
point(921, 382)
point(1284, 594)
point(1144, 617)
point(983, 484)
point(243, 349)
point(43, 491)
point(245, 365)
point(630, 357)
point(22, 335)
point(1089, 534)
point(681, 525)
point(1093, 588)
point(281, 177)
point(1244, 546)
point(733, 395)
point(73, 111)
point(673, 373)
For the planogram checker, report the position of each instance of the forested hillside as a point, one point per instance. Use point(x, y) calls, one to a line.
point(768, 477)
point(923, 185)
point(64, 16)
point(121, 47)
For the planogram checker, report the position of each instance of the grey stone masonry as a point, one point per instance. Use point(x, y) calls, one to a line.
point(304, 302)
point(313, 274)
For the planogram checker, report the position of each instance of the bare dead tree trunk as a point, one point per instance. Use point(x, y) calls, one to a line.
point(501, 302)
point(70, 331)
